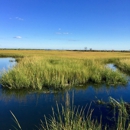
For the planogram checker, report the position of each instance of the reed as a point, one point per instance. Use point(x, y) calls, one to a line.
point(70, 119)
point(121, 109)
point(16, 121)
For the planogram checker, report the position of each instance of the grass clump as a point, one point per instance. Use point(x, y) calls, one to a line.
point(58, 73)
point(70, 119)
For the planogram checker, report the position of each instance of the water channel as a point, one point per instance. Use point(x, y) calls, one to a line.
point(30, 107)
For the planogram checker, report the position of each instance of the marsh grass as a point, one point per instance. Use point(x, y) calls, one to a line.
point(60, 69)
point(70, 119)
point(124, 65)
point(121, 107)
point(58, 73)
point(63, 54)
point(120, 111)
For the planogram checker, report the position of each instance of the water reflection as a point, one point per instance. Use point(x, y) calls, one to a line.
point(6, 63)
point(25, 103)
point(25, 95)
point(112, 66)
point(22, 94)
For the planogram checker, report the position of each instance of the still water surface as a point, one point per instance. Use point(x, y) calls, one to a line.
point(29, 107)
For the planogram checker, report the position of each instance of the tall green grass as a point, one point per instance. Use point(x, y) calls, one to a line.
point(70, 119)
point(124, 65)
point(57, 73)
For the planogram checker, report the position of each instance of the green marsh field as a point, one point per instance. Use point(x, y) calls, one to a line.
point(37, 69)
point(60, 70)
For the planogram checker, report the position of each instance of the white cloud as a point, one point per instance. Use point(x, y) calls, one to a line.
point(66, 33)
point(61, 32)
point(18, 37)
point(18, 18)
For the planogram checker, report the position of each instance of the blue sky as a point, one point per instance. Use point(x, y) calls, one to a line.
point(65, 24)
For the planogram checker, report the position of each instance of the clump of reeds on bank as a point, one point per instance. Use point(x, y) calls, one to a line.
point(57, 73)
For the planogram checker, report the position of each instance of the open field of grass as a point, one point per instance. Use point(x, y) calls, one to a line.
point(61, 69)
point(64, 54)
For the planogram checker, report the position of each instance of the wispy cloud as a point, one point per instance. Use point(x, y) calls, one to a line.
point(61, 32)
point(17, 37)
point(66, 33)
point(18, 18)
